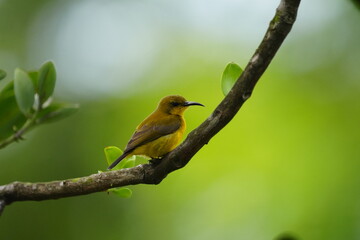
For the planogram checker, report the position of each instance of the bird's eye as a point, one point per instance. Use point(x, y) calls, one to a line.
point(174, 104)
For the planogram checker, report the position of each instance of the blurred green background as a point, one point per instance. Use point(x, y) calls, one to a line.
point(288, 162)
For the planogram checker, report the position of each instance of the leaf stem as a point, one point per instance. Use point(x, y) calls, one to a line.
point(18, 134)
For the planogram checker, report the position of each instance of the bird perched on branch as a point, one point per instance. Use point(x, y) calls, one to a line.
point(160, 132)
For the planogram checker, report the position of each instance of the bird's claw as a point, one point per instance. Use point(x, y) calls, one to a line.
point(155, 161)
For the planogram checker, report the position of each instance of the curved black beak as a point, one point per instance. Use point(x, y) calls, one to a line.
point(188, 103)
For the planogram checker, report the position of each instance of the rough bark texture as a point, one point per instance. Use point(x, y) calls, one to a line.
point(279, 27)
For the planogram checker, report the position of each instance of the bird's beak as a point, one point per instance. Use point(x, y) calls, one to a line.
point(187, 103)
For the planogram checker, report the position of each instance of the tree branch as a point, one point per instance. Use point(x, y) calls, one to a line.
point(279, 27)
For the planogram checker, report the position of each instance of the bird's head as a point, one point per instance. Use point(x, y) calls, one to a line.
point(175, 105)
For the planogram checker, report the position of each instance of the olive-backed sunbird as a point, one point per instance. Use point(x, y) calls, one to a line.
point(160, 132)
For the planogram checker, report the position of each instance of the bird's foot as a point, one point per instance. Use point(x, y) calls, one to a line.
point(155, 161)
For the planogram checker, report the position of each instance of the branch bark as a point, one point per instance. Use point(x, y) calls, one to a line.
point(278, 29)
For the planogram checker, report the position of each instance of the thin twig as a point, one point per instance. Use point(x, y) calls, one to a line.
point(18, 135)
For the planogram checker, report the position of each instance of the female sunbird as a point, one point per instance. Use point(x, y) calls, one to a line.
point(160, 132)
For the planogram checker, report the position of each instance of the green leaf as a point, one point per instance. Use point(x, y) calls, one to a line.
point(142, 159)
point(7, 90)
point(56, 111)
point(2, 74)
point(121, 192)
point(34, 75)
point(47, 79)
point(10, 115)
point(24, 91)
point(230, 75)
point(128, 162)
point(112, 153)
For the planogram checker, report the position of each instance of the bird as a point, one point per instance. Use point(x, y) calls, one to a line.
point(160, 132)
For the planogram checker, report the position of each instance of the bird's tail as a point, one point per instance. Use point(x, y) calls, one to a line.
point(116, 162)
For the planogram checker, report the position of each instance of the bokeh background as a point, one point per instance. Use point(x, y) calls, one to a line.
point(288, 163)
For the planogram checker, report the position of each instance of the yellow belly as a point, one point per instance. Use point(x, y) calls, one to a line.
point(160, 146)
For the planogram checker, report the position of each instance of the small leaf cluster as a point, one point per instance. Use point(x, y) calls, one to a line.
point(112, 153)
point(26, 100)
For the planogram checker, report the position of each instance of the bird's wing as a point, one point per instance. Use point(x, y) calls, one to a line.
point(151, 131)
